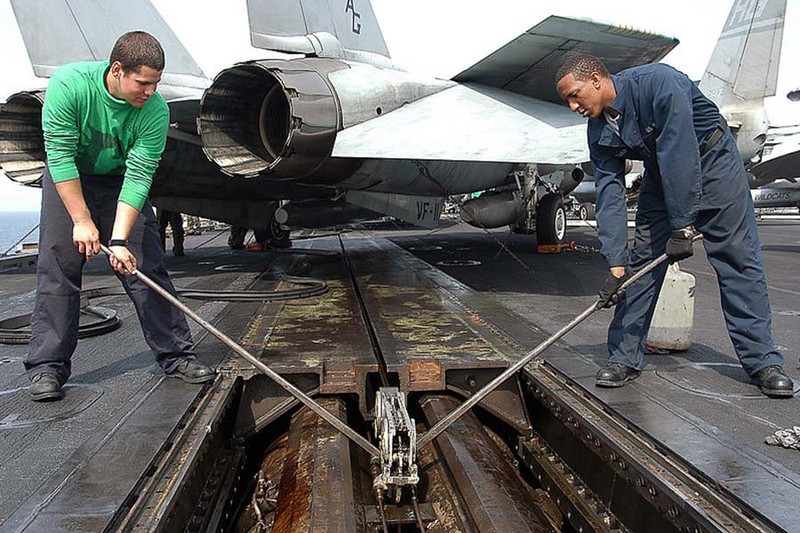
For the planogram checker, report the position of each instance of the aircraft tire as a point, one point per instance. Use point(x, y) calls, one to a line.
point(586, 211)
point(278, 236)
point(551, 220)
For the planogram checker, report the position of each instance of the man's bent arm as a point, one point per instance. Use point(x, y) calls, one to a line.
point(144, 156)
point(140, 164)
point(611, 214)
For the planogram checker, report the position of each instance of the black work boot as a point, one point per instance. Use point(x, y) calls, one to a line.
point(615, 375)
point(192, 371)
point(45, 387)
point(773, 382)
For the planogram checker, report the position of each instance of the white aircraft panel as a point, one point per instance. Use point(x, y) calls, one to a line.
point(277, 24)
point(62, 31)
point(471, 123)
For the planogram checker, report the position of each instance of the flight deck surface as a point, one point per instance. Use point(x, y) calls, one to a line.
point(438, 301)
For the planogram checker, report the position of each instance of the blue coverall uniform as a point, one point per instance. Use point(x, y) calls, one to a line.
point(666, 122)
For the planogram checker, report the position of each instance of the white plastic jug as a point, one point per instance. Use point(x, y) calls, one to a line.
point(671, 328)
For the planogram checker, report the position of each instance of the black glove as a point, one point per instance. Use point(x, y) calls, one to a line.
point(679, 245)
point(610, 295)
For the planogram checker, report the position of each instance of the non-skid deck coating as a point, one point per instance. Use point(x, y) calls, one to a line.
point(418, 321)
point(699, 403)
point(68, 466)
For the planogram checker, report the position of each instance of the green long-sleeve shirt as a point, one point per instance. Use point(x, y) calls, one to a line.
point(88, 130)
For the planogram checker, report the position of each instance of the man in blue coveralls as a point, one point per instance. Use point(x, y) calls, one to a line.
point(694, 181)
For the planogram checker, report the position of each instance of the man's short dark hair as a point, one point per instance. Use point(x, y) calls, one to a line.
point(137, 49)
point(581, 66)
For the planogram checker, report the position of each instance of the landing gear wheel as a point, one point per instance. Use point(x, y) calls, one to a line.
point(586, 211)
point(551, 220)
point(278, 237)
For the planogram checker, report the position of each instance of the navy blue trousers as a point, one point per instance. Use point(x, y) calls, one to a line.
point(730, 236)
point(55, 319)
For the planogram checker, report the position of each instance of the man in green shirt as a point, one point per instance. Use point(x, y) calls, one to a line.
point(105, 127)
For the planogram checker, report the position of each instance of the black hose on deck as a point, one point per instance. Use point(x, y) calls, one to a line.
point(16, 330)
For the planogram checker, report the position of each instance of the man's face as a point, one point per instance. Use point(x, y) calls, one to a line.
point(583, 96)
point(135, 87)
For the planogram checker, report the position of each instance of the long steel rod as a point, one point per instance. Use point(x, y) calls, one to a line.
point(294, 391)
point(445, 422)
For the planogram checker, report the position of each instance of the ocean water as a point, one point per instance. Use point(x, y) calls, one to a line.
point(14, 224)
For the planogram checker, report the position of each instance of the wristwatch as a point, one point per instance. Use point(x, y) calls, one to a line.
point(118, 242)
point(684, 233)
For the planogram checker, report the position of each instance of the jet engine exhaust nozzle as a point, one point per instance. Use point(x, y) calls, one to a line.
point(21, 141)
point(270, 117)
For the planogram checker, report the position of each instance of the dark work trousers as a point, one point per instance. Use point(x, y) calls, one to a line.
point(175, 221)
point(55, 317)
point(730, 236)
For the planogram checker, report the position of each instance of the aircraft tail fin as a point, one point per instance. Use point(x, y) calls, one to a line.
point(744, 64)
point(316, 27)
point(56, 32)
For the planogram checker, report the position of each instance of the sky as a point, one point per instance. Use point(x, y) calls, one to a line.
point(434, 37)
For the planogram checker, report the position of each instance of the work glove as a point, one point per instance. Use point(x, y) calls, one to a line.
point(680, 244)
point(610, 295)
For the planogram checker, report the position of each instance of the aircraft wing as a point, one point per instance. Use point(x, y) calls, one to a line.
point(85, 30)
point(784, 166)
point(471, 122)
point(528, 64)
point(506, 108)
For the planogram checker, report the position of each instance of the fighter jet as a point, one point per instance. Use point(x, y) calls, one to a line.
point(338, 132)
